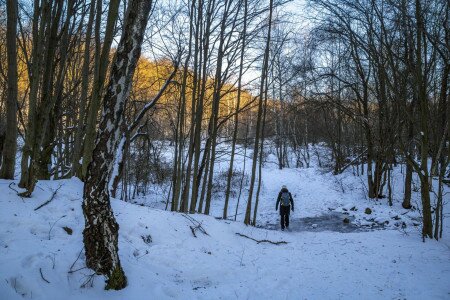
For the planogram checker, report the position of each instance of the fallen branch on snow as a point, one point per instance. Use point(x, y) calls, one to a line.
point(42, 276)
point(262, 241)
point(195, 228)
point(198, 225)
point(18, 193)
point(71, 270)
point(50, 200)
point(13, 183)
point(89, 282)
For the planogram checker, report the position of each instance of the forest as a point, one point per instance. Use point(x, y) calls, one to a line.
point(207, 108)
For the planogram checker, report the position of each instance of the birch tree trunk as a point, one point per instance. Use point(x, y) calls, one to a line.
point(101, 229)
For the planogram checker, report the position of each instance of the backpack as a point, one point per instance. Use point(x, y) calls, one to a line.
point(285, 197)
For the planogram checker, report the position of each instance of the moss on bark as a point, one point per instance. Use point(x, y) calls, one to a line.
point(117, 280)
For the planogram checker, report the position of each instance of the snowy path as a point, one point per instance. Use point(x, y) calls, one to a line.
point(316, 193)
point(316, 263)
point(312, 191)
point(311, 196)
point(175, 265)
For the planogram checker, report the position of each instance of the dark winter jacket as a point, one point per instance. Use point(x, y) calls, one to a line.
point(291, 200)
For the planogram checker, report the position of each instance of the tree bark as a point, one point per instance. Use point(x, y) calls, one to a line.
point(197, 173)
point(258, 121)
point(76, 157)
point(41, 16)
point(215, 106)
point(409, 168)
point(9, 152)
point(100, 235)
point(99, 79)
point(427, 229)
point(236, 116)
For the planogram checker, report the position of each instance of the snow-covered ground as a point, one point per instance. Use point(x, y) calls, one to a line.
point(316, 192)
point(38, 258)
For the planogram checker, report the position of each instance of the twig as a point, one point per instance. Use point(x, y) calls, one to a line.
point(198, 225)
point(79, 269)
point(13, 183)
point(17, 192)
point(78, 257)
point(366, 191)
point(42, 276)
point(242, 257)
point(51, 227)
point(193, 230)
point(262, 241)
point(51, 198)
point(402, 230)
point(52, 258)
point(89, 281)
point(352, 162)
point(146, 252)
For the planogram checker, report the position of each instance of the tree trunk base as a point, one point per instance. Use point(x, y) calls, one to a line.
point(406, 205)
point(117, 280)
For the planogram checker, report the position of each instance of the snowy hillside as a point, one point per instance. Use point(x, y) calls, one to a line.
point(164, 260)
point(248, 149)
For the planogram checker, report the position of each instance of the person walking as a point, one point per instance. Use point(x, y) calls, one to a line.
point(287, 203)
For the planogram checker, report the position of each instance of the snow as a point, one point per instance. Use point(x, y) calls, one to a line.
point(315, 264)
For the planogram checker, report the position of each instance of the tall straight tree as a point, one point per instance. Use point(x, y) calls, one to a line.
point(423, 108)
point(264, 73)
point(41, 16)
point(9, 153)
point(45, 102)
point(236, 116)
point(76, 166)
point(179, 136)
point(100, 68)
point(101, 229)
point(216, 103)
point(197, 173)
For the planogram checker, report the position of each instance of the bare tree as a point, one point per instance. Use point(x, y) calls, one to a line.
point(9, 152)
point(264, 74)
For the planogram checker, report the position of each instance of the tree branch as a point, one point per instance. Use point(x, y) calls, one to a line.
point(49, 200)
point(261, 241)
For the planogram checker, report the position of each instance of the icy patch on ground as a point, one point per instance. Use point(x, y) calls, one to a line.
point(331, 221)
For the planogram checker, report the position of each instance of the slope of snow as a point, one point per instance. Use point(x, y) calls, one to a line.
point(220, 265)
